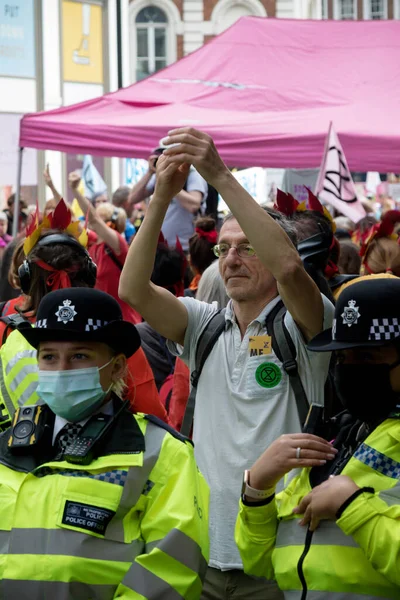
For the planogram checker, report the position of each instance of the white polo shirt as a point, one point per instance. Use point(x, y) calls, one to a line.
point(244, 402)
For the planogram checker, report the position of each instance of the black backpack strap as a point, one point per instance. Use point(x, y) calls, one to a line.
point(12, 322)
point(284, 348)
point(206, 343)
point(115, 260)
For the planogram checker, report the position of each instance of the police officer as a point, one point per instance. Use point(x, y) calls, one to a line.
point(348, 506)
point(95, 502)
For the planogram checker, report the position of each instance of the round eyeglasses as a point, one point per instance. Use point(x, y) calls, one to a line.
point(243, 250)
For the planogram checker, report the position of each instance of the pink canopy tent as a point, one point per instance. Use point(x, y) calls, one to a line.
point(265, 89)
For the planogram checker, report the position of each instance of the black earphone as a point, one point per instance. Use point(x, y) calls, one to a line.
point(24, 270)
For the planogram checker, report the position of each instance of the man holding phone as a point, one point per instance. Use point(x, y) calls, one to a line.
point(183, 207)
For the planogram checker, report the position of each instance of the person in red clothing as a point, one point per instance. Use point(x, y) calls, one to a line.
point(57, 260)
point(107, 246)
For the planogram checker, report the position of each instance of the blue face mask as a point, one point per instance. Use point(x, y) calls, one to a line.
point(72, 395)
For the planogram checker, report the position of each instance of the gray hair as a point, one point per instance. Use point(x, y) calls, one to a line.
point(211, 287)
point(3, 216)
point(288, 226)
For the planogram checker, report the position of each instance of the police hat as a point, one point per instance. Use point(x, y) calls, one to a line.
point(367, 313)
point(82, 314)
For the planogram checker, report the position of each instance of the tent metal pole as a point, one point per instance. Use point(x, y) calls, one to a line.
point(17, 195)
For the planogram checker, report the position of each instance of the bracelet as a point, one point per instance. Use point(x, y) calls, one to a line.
point(350, 499)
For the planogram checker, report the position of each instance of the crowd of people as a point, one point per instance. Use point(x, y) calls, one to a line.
point(193, 407)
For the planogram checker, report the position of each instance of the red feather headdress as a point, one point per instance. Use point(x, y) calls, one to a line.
point(61, 219)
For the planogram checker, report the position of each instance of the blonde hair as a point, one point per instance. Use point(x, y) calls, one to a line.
point(106, 210)
point(118, 387)
point(383, 256)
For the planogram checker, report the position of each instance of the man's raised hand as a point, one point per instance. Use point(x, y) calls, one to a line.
point(170, 178)
point(196, 148)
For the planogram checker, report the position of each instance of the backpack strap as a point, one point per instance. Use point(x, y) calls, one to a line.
point(11, 322)
point(284, 348)
point(205, 344)
point(115, 260)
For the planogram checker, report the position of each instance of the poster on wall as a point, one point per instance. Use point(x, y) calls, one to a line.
point(82, 42)
point(17, 38)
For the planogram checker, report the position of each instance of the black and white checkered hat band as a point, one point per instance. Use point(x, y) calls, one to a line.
point(93, 324)
point(384, 329)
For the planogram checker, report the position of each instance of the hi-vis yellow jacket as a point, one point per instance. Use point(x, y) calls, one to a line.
point(18, 376)
point(132, 525)
point(355, 558)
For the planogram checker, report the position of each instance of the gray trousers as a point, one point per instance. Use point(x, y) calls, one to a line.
point(236, 585)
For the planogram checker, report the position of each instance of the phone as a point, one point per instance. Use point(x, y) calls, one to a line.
point(81, 451)
point(315, 420)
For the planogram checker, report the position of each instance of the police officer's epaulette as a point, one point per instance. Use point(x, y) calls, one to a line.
point(171, 430)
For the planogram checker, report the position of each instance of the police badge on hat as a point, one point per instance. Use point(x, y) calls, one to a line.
point(351, 314)
point(66, 312)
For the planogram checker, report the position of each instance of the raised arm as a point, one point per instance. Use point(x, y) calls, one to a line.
point(190, 200)
point(273, 247)
point(49, 182)
point(108, 235)
point(139, 191)
point(161, 309)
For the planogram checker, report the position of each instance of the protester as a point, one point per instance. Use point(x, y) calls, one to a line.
point(349, 258)
point(380, 251)
point(201, 253)
point(98, 198)
point(5, 238)
point(53, 259)
point(11, 262)
point(211, 287)
point(9, 211)
point(113, 217)
point(120, 199)
point(183, 207)
point(362, 228)
point(317, 245)
point(348, 504)
point(101, 522)
point(344, 228)
point(169, 266)
point(108, 249)
point(211, 290)
point(244, 398)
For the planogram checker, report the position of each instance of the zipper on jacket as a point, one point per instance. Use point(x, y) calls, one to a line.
point(300, 572)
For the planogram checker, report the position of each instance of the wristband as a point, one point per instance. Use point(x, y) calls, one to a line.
point(350, 499)
point(250, 492)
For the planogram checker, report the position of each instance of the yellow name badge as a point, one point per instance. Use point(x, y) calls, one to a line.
point(260, 345)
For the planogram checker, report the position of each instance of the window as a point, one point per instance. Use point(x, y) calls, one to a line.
point(345, 9)
point(375, 9)
point(324, 9)
point(151, 41)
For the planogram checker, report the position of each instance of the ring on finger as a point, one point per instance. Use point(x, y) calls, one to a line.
point(298, 451)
